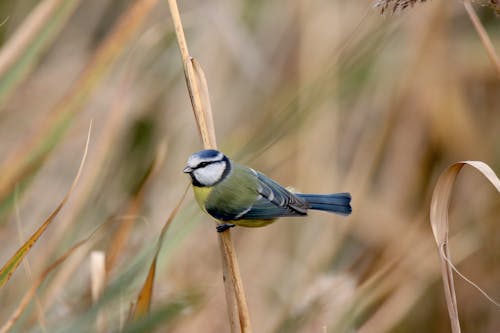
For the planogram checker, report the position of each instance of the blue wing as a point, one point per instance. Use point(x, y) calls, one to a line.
point(274, 201)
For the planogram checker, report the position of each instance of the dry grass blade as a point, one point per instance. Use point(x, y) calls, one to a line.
point(26, 263)
point(28, 296)
point(143, 303)
point(9, 268)
point(440, 226)
point(483, 35)
point(198, 93)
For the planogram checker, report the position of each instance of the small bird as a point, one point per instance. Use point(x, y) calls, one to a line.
point(238, 195)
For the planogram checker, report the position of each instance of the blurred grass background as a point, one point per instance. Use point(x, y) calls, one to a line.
point(325, 96)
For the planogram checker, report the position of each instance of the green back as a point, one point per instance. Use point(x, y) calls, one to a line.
point(234, 194)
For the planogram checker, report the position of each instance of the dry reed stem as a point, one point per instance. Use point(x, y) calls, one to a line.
point(440, 227)
point(203, 118)
point(235, 294)
point(483, 35)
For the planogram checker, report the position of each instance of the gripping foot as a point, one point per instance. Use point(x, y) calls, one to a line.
point(223, 227)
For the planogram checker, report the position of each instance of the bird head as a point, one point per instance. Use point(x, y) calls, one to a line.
point(207, 167)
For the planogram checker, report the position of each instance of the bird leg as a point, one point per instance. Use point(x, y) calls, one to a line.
point(223, 227)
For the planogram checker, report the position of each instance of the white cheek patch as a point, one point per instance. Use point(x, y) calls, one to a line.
point(210, 174)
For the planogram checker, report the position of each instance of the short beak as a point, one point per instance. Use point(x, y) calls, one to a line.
point(187, 169)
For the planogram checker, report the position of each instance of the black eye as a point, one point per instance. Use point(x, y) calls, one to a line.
point(202, 164)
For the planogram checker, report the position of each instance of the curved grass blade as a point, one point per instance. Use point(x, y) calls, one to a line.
point(10, 267)
point(440, 227)
point(143, 303)
point(25, 301)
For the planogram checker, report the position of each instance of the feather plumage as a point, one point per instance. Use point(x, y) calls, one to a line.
point(245, 197)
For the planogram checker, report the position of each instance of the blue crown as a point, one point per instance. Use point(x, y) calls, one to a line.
point(208, 153)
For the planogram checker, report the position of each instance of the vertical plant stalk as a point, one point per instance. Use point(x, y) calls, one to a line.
point(97, 285)
point(440, 224)
point(198, 93)
point(483, 35)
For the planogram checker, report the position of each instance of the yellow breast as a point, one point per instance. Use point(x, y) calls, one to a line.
point(201, 195)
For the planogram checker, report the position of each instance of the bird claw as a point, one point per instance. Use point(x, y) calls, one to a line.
point(223, 227)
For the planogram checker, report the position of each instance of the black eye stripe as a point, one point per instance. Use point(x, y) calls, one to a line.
point(205, 163)
point(202, 164)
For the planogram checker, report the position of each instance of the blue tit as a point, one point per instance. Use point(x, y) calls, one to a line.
point(238, 195)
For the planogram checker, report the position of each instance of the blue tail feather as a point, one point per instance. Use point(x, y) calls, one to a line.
point(339, 203)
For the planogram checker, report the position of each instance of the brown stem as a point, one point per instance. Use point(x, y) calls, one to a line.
point(483, 35)
point(239, 318)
